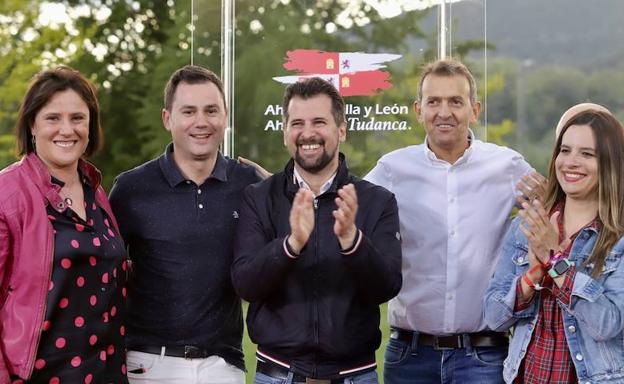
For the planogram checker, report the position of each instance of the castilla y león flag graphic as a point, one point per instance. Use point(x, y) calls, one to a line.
point(352, 73)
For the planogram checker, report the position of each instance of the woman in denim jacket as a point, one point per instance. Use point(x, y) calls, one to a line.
point(560, 280)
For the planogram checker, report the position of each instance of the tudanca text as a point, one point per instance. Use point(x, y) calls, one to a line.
point(359, 118)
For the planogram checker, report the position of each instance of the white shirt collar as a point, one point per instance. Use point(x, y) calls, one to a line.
point(464, 157)
point(297, 179)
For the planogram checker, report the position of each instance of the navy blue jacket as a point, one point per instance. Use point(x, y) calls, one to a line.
point(318, 313)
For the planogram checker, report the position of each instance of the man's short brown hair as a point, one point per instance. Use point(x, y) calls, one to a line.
point(311, 87)
point(449, 67)
point(191, 74)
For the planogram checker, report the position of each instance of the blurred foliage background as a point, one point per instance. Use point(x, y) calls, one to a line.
point(128, 48)
point(539, 62)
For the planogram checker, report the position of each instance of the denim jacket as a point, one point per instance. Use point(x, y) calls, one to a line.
point(593, 320)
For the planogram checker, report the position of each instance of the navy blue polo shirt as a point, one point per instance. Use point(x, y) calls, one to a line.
point(179, 237)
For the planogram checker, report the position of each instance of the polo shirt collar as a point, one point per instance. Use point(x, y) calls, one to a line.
point(173, 174)
point(219, 171)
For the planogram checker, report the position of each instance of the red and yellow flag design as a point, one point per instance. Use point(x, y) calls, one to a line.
point(352, 73)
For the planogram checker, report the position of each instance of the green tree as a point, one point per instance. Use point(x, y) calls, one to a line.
point(115, 44)
point(262, 40)
point(550, 91)
point(128, 49)
point(606, 87)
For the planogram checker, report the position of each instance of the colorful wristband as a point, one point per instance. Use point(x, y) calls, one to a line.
point(528, 281)
point(554, 257)
point(289, 251)
point(541, 266)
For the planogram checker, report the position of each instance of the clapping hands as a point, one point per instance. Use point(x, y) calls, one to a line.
point(541, 231)
point(302, 218)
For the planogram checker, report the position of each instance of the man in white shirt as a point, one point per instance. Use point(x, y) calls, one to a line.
point(455, 194)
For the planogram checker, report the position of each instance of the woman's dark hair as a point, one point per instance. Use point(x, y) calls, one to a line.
point(43, 87)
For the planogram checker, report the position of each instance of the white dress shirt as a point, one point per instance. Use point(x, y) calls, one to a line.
point(453, 218)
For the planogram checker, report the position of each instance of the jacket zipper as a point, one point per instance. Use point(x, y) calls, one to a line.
point(315, 281)
point(31, 361)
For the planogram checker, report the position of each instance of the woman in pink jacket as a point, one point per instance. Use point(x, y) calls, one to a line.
point(62, 261)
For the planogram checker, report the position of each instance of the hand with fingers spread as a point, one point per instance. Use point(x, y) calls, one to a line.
point(260, 171)
point(301, 220)
point(347, 206)
point(531, 186)
point(541, 231)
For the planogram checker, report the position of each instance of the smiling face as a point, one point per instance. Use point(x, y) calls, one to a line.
point(576, 165)
point(312, 135)
point(61, 131)
point(446, 111)
point(196, 121)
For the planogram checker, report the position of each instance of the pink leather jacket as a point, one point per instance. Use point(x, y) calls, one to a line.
point(26, 256)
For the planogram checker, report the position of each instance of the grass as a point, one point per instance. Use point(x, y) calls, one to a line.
point(249, 348)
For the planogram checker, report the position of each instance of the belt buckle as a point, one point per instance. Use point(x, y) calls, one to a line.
point(191, 352)
point(394, 334)
point(310, 380)
point(438, 347)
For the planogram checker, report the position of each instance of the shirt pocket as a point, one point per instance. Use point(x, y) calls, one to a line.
point(611, 264)
point(520, 258)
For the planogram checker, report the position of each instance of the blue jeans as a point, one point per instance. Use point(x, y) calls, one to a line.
point(364, 378)
point(409, 363)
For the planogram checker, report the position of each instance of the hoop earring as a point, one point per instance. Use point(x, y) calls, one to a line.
point(34, 142)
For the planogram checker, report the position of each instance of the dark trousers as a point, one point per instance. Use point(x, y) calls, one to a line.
point(409, 363)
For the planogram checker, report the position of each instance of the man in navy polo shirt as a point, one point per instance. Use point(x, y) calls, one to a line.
point(177, 214)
